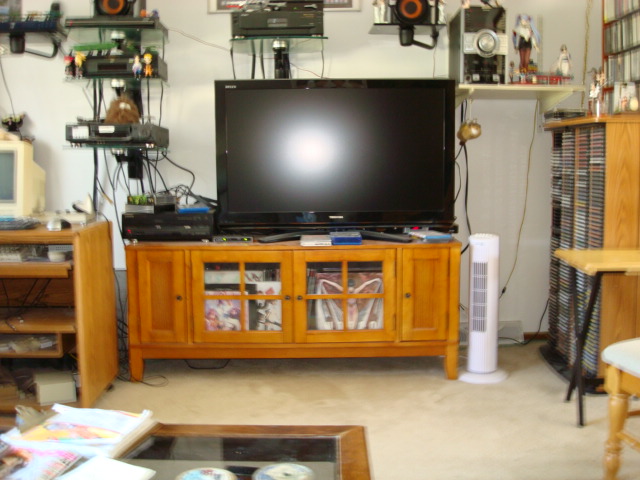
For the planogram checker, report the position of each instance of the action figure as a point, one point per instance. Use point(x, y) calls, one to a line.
point(562, 65)
point(69, 66)
point(137, 67)
point(525, 37)
point(79, 62)
point(380, 9)
point(147, 58)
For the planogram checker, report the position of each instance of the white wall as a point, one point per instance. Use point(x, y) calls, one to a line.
point(197, 53)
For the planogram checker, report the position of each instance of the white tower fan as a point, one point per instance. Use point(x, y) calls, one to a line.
point(482, 352)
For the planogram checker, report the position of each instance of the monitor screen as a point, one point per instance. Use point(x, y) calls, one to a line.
point(22, 180)
point(7, 177)
point(334, 153)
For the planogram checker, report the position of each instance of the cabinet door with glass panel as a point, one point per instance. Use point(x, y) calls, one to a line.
point(344, 296)
point(242, 296)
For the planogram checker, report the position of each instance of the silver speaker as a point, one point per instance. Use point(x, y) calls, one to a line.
point(478, 45)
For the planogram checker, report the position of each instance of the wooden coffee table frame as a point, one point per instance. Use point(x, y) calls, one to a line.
point(352, 456)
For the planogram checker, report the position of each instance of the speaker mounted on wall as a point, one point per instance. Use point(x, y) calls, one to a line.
point(410, 13)
point(119, 7)
point(413, 12)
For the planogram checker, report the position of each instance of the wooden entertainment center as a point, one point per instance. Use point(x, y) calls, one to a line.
point(193, 300)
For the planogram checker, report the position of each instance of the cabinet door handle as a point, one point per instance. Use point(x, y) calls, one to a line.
point(299, 297)
point(179, 297)
point(287, 297)
point(407, 295)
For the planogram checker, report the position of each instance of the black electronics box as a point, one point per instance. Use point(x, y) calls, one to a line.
point(121, 66)
point(167, 226)
point(139, 135)
point(287, 18)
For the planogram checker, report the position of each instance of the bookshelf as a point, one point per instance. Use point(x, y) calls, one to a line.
point(620, 45)
point(595, 204)
point(71, 304)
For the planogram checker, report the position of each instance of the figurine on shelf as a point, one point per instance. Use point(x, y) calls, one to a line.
point(380, 11)
point(79, 64)
point(596, 96)
point(562, 66)
point(69, 66)
point(122, 111)
point(13, 122)
point(137, 67)
point(525, 37)
point(147, 58)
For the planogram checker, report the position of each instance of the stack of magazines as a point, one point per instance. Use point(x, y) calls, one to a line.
point(70, 437)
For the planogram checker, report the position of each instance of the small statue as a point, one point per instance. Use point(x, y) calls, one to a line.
point(525, 37)
point(562, 66)
point(13, 122)
point(79, 62)
point(137, 67)
point(380, 11)
point(147, 58)
point(69, 66)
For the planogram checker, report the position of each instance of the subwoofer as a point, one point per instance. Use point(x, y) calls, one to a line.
point(119, 7)
point(478, 45)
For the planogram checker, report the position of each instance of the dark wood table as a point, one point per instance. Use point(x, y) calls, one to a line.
point(337, 452)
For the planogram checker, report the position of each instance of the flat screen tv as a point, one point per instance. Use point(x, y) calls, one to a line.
point(317, 155)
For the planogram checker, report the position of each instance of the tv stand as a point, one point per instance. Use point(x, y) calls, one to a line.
point(366, 234)
point(195, 300)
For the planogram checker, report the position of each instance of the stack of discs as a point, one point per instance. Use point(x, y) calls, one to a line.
point(211, 473)
point(284, 471)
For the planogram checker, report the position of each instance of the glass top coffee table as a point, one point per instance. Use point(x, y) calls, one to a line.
point(332, 452)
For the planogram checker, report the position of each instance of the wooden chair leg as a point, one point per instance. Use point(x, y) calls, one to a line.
point(618, 409)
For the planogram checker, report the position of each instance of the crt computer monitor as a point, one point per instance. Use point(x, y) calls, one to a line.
point(22, 180)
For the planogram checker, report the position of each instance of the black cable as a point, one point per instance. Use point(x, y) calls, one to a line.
point(6, 87)
point(95, 179)
point(193, 177)
point(233, 65)
point(535, 335)
point(466, 190)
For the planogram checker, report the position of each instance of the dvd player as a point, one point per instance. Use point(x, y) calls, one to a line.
point(167, 226)
point(137, 135)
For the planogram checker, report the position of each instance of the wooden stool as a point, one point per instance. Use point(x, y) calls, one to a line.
point(621, 380)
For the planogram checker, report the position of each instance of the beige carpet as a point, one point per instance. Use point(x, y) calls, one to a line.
point(419, 425)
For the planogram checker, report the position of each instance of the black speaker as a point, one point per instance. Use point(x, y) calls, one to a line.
point(478, 45)
point(412, 12)
point(119, 7)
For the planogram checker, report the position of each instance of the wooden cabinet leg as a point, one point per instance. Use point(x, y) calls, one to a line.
point(451, 362)
point(136, 365)
point(618, 407)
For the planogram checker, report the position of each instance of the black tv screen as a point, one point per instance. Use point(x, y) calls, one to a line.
point(334, 154)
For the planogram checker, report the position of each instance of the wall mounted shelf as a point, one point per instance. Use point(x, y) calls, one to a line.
point(548, 95)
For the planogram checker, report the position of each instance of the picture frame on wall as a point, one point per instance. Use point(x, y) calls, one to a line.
point(226, 6)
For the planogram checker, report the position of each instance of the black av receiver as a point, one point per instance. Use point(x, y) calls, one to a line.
point(284, 18)
point(121, 66)
point(134, 135)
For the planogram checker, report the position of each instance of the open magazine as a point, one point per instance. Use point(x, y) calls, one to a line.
point(86, 431)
